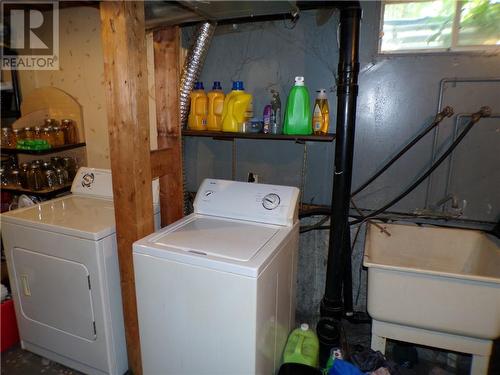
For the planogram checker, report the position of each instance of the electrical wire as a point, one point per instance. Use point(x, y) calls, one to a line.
point(315, 212)
point(319, 224)
point(475, 117)
point(446, 112)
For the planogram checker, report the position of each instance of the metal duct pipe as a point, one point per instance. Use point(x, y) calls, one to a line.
point(193, 65)
point(347, 92)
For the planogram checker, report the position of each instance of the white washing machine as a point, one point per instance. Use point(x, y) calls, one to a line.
point(64, 274)
point(216, 289)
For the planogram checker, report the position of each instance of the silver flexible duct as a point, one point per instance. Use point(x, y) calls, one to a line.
point(193, 65)
point(190, 73)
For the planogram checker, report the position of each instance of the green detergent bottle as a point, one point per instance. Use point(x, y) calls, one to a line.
point(302, 347)
point(298, 118)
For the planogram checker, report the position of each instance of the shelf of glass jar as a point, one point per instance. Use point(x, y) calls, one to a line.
point(51, 150)
point(39, 177)
point(264, 136)
point(49, 138)
point(45, 192)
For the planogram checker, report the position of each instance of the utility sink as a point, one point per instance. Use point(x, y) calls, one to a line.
point(434, 286)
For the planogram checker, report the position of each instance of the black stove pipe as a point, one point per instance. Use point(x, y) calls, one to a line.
point(347, 91)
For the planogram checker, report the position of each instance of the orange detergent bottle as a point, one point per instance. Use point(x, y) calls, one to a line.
point(215, 107)
point(238, 109)
point(197, 119)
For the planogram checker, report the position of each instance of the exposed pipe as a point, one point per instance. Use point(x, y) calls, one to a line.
point(446, 112)
point(475, 117)
point(458, 118)
point(193, 65)
point(347, 91)
point(442, 83)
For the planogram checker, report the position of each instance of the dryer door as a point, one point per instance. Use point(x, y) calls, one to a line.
point(54, 292)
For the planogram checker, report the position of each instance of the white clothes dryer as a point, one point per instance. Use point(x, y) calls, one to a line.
point(64, 274)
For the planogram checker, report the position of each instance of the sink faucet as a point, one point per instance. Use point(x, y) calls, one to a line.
point(456, 210)
point(450, 197)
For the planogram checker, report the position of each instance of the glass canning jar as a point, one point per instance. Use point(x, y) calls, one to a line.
point(70, 132)
point(37, 132)
point(17, 135)
point(48, 135)
point(35, 177)
point(58, 136)
point(7, 137)
point(29, 133)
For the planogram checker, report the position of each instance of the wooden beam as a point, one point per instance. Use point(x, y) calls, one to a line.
point(125, 72)
point(160, 160)
point(166, 45)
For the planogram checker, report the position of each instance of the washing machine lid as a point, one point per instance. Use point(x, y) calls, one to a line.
point(235, 240)
point(78, 216)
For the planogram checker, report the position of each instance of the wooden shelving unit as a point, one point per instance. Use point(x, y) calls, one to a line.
point(16, 151)
point(260, 136)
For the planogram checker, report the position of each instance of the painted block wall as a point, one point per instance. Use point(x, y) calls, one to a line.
point(81, 75)
point(398, 96)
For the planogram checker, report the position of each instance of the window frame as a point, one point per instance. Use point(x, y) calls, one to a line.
point(454, 48)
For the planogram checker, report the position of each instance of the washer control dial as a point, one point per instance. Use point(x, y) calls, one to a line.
point(271, 201)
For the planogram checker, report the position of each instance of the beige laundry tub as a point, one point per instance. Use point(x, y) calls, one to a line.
point(434, 286)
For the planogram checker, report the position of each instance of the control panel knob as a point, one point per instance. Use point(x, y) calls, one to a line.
point(271, 201)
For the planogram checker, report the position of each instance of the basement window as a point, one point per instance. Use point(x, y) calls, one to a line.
point(439, 26)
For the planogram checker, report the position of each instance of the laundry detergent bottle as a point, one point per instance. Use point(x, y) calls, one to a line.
point(321, 113)
point(302, 347)
point(215, 107)
point(298, 110)
point(238, 108)
point(197, 119)
point(235, 90)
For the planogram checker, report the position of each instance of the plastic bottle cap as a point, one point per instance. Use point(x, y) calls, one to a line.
point(299, 81)
point(322, 94)
point(198, 86)
point(216, 86)
point(304, 327)
point(238, 85)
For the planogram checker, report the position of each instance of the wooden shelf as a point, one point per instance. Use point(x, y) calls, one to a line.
point(260, 136)
point(45, 193)
point(42, 152)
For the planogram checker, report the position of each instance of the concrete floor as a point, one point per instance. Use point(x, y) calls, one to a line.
point(16, 361)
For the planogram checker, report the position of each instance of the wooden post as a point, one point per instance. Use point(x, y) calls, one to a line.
point(166, 44)
point(125, 72)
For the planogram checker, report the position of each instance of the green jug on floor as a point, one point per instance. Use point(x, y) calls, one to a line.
point(302, 347)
